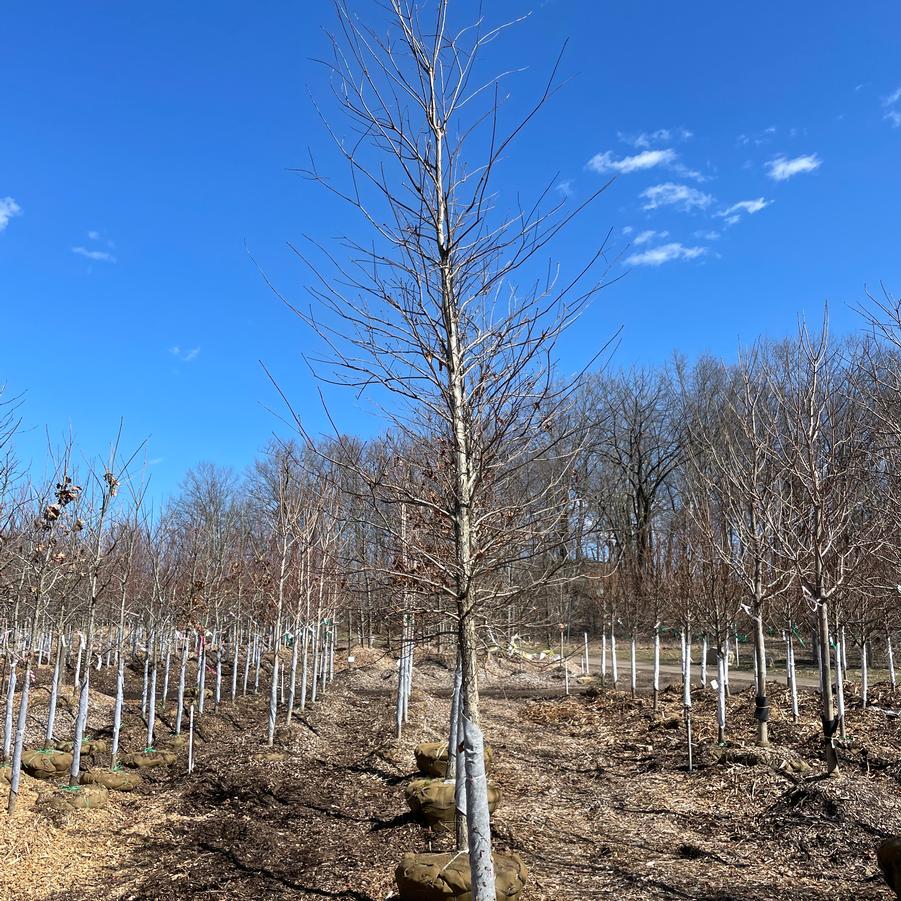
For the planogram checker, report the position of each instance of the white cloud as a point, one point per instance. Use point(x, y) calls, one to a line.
point(565, 187)
point(670, 194)
point(711, 235)
point(627, 230)
point(648, 235)
point(96, 256)
point(184, 356)
point(93, 236)
point(647, 159)
point(750, 207)
point(8, 209)
point(892, 98)
point(893, 116)
point(781, 169)
point(647, 139)
point(666, 253)
point(758, 138)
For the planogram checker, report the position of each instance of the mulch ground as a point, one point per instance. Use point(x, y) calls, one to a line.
point(596, 798)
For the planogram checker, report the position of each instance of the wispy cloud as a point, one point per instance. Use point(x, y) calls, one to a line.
point(781, 168)
point(647, 236)
point(565, 187)
point(733, 213)
point(184, 355)
point(892, 113)
point(8, 209)
point(682, 197)
point(710, 235)
point(666, 253)
point(647, 159)
point(95, 256)
point(757, 138)
point(648, 139)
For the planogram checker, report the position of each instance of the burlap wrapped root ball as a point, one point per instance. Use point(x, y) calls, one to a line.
point(431, 758)
point(433, 800)
point(81, 797)
point(114, 780)
point(88, 746)
point(147, 759)
point(441, 877)
point(45, 763)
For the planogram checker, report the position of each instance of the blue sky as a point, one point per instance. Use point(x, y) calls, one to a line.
point(144, 166)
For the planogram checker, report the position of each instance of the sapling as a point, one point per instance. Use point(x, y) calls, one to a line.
point(191, 740)
point(840, 691)
point(180, 703)
point(201, 674)
point(686, 706)
point(151, 702)
point(16, 773)
point(891, 660)
point(305, 667)
point(218, 690)
point(603, 656)
point(145, 685)
point(864, 675)
point(247, 655)
point(703, 661)
point(791, 675)
point(236, 639)
point(54, 692)
point(257, 659)
point(656, 665)
point(8, 718)
point(166, 664)
point(613, 662)
point(721, 694)
point(632, 671)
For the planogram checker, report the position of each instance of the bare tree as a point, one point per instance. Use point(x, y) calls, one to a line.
point(428, 314)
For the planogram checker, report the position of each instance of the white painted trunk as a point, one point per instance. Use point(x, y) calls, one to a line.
point(704, 661)
point(478, 820)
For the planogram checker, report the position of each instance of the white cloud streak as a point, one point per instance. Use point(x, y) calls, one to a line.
point(647, 159)
point(892, 98)
point(682, 197)
point(95, 256)
point(647, 236)
point(8, 209)
point(647, 139)
point(733, 213)
point(781, 168)
point(666, 253)
point(183, 355)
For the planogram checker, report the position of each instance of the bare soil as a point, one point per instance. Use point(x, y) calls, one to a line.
point(596, 798)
